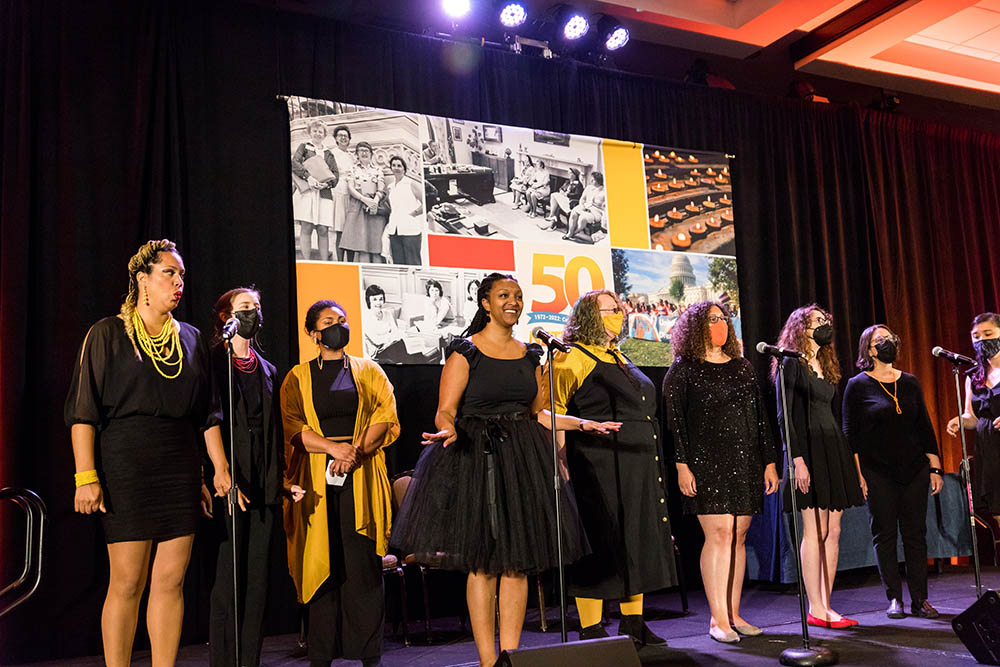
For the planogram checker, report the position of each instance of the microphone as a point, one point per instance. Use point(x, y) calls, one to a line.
point(229, 328)
point(775, 351)
point(549, 340)
point(953, 357)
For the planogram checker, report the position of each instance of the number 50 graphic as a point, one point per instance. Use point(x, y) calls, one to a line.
point(545, 272)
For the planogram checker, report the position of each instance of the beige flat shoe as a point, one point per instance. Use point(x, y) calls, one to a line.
point(720, 635)
point(748, 630)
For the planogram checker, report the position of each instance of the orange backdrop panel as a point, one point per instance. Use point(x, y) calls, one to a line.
point(339, 282)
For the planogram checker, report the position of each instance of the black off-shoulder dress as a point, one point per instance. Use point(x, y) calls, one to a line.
point(149, 431)
point(485, 503)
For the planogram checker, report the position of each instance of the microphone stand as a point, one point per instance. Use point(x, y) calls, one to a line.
point(233, 503)
point(966, 479)
point(807, 655)
point(556, 487)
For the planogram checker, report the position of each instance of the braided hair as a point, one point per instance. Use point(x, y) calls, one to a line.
point(481, 317)
point(143, 260)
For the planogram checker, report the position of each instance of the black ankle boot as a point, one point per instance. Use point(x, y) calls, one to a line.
point(633, 626)
point(595, 631)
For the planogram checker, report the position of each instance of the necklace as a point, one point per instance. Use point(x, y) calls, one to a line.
point(893, 395)
point(162, 347)
point(247, 365)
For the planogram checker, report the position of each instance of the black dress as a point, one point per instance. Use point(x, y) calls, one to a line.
point(617, 478)
point(986, 467)
point(816, 436)
point(716, 415)
point(485, 503)
point(149, 429)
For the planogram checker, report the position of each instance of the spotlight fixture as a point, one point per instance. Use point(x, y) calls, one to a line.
point(513, 14)
point(613, 35)
point(456, 8)
point(571, 22)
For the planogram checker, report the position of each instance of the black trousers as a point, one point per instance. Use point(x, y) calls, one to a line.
point(893, 505)
point(347, 613)
point(254, 529)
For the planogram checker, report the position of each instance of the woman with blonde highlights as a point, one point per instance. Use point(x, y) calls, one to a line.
point(726, 459)
point(141, 398)
point(823, 472)
point(617, 473)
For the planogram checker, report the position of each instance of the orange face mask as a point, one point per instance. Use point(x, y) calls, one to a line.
point(719, 332)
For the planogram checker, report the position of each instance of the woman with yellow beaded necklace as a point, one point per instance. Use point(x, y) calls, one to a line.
point(141, 400)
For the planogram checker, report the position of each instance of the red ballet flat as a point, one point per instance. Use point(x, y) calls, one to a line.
point(844, 622)
point(818, 622)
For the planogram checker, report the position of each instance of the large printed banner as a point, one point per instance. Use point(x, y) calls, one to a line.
point(397, 216)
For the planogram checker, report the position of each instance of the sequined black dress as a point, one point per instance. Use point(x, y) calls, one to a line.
point(720, 430)
point(817, 437)
point(986, 465)
point(485, 503)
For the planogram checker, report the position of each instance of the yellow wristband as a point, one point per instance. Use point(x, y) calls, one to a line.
point(86, 477)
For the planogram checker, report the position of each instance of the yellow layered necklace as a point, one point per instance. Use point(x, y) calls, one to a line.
point(162, 347)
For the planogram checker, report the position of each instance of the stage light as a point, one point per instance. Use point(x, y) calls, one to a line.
point(513, 14)
point(576, 26)
point(612, 33)
point(456, 8)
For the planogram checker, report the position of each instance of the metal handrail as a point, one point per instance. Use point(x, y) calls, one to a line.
point(34, 508)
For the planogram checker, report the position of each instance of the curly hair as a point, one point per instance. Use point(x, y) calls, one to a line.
point(223, 310)
point(312, 315)
point(793, 336)
point(143, 260)
point(690, 336)
point(864, 361)
point(982, 369)
point(585, 324)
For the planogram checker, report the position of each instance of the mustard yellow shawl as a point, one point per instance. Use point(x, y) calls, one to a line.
point(306, 521)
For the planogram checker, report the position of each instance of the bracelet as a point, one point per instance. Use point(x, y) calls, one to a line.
point(937, 471)
point(86, 477)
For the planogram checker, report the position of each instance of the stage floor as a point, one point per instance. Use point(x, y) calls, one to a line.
point(877, 641)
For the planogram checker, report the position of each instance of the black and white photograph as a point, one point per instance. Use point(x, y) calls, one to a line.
point(411, 314)
point(689, 200)
point(512, 182)
point(357, 183)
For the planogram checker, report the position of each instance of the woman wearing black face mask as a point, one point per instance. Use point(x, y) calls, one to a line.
point(257, 473)
point(982, 412)
point(824, 476)
point(887, 426)
point(338, 412)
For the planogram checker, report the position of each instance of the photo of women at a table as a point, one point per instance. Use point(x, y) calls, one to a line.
point(889, 430)
point(339, 412)
point(316, 176)
point(824, 473)
point(724, 452)
point(481, 496)
point(141, 406)
point(617, 475)
point(257, 472)
point(982, 412)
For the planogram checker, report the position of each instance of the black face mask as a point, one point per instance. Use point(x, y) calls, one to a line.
point(823, 335)
point(250, 322)
point(987, 348)
point(886, 351)
point(335, 337)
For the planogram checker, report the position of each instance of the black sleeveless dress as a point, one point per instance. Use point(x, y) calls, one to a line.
point(986, 464)
point(485, 503)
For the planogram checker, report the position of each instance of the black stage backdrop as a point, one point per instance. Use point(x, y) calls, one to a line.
point(125, 121)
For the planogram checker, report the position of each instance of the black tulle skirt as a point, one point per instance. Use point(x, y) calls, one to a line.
point(486, 503)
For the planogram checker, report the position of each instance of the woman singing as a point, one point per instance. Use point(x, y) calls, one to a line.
point(617, 476)
point(982, 412)
point(482, 492)
point(256, 422)
point(339, 412)
point(825, 476)
point(890, 433)
point(141, 399)
point(726, 459)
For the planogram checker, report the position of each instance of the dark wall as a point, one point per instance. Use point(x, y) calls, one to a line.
point(126, 121)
